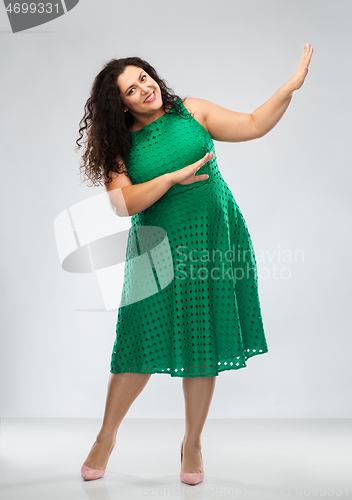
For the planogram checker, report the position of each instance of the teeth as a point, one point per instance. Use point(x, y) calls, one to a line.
point(151, 97)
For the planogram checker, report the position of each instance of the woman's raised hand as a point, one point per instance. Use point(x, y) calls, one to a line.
point(296, 81)
point(187, 175)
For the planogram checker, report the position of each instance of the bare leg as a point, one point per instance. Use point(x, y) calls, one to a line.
point(123, 389)
point(198, 393)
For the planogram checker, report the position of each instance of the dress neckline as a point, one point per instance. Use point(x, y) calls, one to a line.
point(147, 125)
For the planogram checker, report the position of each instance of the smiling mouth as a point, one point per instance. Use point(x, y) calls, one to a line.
point(150, 97)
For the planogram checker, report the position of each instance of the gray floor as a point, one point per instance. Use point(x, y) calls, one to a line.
point(243, 458)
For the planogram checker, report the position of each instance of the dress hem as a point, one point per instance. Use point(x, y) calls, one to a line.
point(182, 374)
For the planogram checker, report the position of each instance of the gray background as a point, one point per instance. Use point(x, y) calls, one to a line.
point(293, 187)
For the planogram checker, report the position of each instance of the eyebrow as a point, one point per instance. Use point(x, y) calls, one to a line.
point(134, 84)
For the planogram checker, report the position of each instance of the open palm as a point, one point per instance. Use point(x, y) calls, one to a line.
point(298, 78)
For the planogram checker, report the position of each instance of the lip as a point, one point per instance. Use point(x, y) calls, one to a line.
point(149, 96)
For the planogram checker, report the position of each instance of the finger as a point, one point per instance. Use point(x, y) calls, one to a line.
point(202, 177)
point(306, 64)
point(208, 156)
point(308, 51)
point(205, 157)
point(306, 58)
point(201, 162)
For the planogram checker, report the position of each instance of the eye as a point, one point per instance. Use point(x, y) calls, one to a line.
point(143, 76)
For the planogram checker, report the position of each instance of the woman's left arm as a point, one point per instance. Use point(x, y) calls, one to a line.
point(231, 126)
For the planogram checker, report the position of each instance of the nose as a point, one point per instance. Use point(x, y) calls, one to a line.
point(146, 90)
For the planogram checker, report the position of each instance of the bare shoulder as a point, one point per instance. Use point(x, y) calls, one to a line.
point(197, 108)
point(221, 123)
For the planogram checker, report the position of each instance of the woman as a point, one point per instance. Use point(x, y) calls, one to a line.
point(190, 306)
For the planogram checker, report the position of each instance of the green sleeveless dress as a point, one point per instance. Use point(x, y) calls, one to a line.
point(189, 304)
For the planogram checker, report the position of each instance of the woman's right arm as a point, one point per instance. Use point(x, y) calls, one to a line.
point(129, 199)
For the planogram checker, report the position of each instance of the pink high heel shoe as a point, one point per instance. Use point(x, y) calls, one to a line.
point(190, 477)
point(88, 473)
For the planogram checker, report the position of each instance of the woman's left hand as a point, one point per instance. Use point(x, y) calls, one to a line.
point(298, 78)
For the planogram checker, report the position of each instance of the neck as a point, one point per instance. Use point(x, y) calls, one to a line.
point(140, 120)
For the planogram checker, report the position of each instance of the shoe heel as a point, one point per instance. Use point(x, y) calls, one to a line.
point(88, 473)
point(191, 478)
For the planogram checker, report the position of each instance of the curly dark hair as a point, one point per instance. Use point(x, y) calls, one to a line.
point(107, 124)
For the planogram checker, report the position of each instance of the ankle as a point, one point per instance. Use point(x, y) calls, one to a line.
point(193, 442)
point(105, 436)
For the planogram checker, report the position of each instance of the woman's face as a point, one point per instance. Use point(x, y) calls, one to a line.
point(136, 87)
